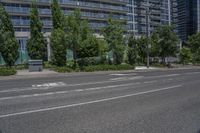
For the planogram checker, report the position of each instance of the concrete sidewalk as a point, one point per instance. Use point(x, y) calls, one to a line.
point(145, 68)
point(27, 73)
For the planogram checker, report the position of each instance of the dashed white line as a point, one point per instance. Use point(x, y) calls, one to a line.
point(65, 92)
point(154, 81)
point(122, 74)
point(86, 103)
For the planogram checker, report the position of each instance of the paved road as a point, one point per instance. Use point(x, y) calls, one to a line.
point(120, 102)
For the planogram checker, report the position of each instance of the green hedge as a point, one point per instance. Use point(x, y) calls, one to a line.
point(7, 71)
point(108, 68)
point(95, 68)
point(63, 69)
point(89, 61)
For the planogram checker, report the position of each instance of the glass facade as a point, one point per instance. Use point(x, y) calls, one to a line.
point(188, 18)
point(160, 12)
point(96, 11)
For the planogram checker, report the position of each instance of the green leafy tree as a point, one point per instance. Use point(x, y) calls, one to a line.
point(154, 45)
point(89, 47)
point(167, 41)
point(142, 49)
point(74, 33)
point(57, 15)
point(113, 34)
point(8, 43)
point(59, 47)
point(132, 50)
point(36, 45)
point(58, 36)
point(194, 44)
point(103, 47)
point(185, 55)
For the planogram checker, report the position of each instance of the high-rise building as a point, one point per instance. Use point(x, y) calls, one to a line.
point(160, 12)
point(188, 18)
point(96, 11)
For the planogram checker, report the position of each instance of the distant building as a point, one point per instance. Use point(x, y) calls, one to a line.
point(161, 12)
point(188, 18)
point(96, 11)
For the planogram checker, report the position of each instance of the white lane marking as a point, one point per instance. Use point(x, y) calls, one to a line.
point(86, 103)
point(147, 82)
point(44, 86)
point(92, 83)
point(192, 73)
point(162, 76)
point(67, 85)
point(79, 90)
point(65, 92)
point(50, 84)
point(120, 78)
point(126, 78)
point(122, 74)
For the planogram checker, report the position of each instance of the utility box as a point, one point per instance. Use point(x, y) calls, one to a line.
point(35, 65)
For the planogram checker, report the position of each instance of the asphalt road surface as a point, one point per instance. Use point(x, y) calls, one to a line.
point(155, 101)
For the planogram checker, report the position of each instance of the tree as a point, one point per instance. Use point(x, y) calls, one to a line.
point(167, 41)
point(89, 47)
point(74, 33)
point(8, 42)
point(185, 55)
point(132, 50)
point(194, 44)
point(142, 49)
point(113, 34)
point(57, 15)
point(59, 47)
point(36, 45)
point(58, 36)
point(154, 45)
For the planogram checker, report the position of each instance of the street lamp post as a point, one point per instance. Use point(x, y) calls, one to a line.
point(148, 31)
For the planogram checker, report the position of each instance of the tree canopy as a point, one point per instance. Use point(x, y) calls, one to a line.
point(8, 43)
point(36, 45)
point(113, 34)
point(166, 41)
point(194, 44)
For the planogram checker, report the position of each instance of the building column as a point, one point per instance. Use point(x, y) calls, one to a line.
point(169, 11)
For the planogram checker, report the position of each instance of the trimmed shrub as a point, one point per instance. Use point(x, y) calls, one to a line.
point(108, 68)
point(63, 69)
point(7, 71)
point(91, 61)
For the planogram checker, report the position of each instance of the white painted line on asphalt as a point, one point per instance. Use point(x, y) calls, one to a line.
point(44, 86)
point(92, 83)
point(122, 74)
point(49, 84)
point(86, 103)
point(192, 73)
point(162, 76)
point(126, 78)
point(79, 90)
point(65, 92)
point(147, 82)
point(120, 78)
point(67, 85)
